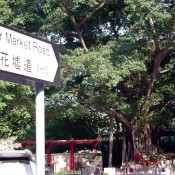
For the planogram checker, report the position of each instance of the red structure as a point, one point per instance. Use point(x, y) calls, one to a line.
point(71, 143)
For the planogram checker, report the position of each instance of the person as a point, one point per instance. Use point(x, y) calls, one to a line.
point(98, 171)
point(85, 169)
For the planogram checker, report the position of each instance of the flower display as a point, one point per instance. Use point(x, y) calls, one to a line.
point(170, 156)
point(150, 161)
point(137, 157)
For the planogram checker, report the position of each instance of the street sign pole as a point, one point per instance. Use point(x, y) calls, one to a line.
point(40, 130)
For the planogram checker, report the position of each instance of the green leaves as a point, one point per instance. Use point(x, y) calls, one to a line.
point(107, 65)
point(16, 107)
point(5, 12)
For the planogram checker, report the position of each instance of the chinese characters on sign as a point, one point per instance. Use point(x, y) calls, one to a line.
point(17, 62)
point(4, 59)
point(23, 55)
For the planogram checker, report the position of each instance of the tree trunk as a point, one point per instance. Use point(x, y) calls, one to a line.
point(149, 147)
point(111, 138)
point(155, 134)
point(142, 142)
point(124, 151)
point(136, 141)
point(127, 151)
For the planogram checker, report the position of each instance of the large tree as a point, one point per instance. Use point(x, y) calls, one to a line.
point(93, 23)
point(127, 78)
point(128, 68)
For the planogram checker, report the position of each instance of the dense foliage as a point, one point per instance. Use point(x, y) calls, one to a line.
point(16, 109)
point(117, 63)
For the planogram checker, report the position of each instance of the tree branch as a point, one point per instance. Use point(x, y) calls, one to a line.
point(165, 71)
point(164, 104)
point(66, 9)
point(118, 115)
point(92, 13)
point(170, 31)
point(154, 33)
point(157, 62)
point(153, 75)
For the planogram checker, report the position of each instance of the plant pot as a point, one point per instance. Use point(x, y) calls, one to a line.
point(148, 163)
point(144, 163)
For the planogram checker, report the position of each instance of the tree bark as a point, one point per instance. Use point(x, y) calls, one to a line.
point(111, 138)
point(124, 150)
point(75, 25)
point(128, 149)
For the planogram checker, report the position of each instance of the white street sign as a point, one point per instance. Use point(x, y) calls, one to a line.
point(28, 60)
point(27, 56)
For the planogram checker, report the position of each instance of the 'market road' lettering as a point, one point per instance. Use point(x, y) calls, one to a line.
point(40, 49)
point(33, 46)
point(17, 41)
